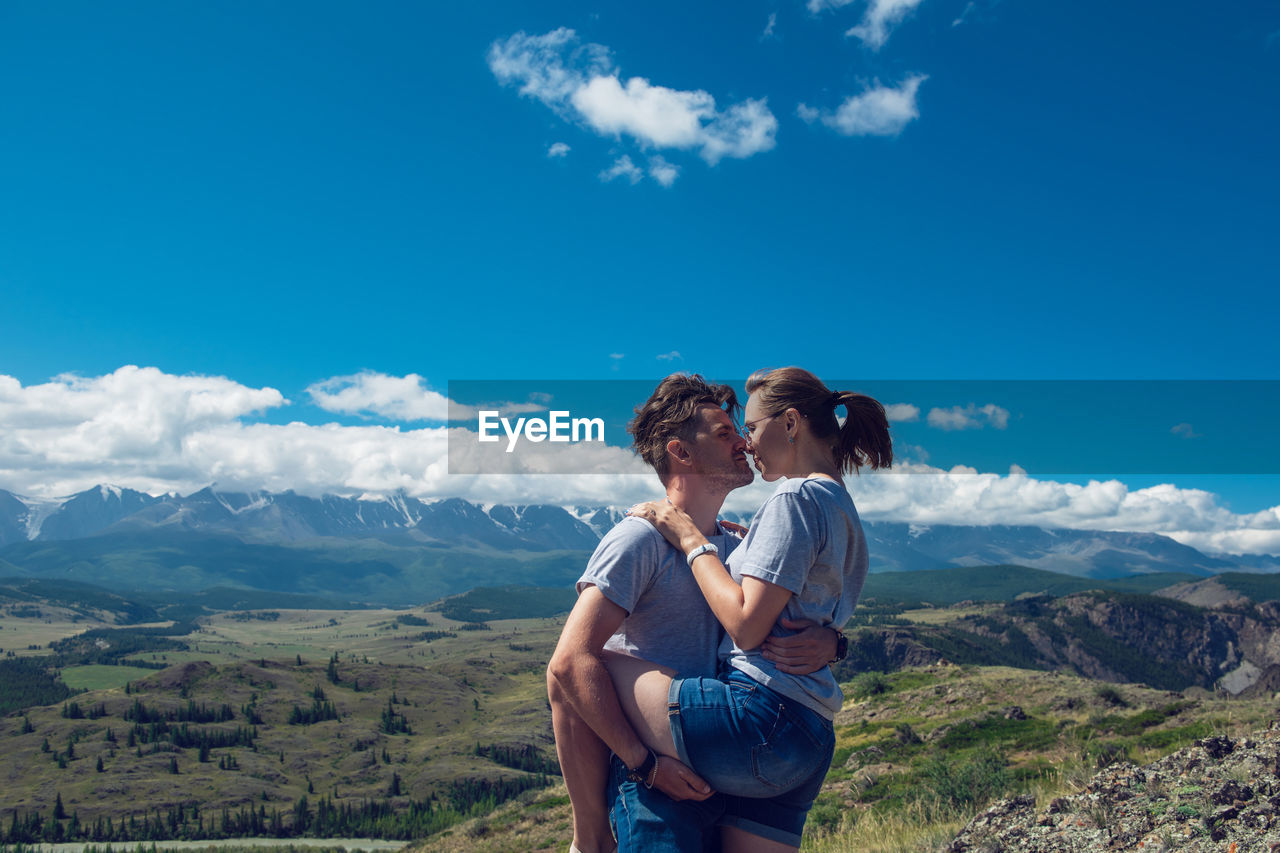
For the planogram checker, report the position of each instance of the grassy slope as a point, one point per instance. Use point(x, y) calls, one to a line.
point(888, 791)
point(478, 686)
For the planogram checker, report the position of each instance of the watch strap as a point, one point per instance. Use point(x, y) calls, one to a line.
point(704, 548)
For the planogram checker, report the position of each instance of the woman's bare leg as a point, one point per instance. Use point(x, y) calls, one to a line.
point(642, 689)
point(584, 764)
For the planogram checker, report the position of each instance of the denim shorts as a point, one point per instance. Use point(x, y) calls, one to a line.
point(768, 753)
point(646, 820)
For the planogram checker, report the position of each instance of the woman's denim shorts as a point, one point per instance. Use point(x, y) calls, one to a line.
point(769, 753)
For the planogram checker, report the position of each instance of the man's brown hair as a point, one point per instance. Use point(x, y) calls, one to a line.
point(671, 412)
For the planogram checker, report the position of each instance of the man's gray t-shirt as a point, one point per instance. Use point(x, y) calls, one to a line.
point(806, 538)
point(668, 621)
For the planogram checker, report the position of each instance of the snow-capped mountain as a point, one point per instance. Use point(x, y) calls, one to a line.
point(287, 518)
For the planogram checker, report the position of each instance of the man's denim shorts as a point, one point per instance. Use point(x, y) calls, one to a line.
point(769, 753)
point(645, 820)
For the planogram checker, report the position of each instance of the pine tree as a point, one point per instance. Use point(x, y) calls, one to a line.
point(59, 811)
point(331, 672)
point(100, 764)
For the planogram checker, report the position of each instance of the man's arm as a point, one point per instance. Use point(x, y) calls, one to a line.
point(582, 680)
point(803, 653)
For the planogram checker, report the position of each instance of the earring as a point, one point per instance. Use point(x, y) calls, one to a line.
point(791, 439)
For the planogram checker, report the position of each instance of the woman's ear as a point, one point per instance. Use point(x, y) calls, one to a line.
point(791, 423)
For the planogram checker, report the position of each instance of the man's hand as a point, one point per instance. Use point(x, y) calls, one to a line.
point(803, 653)
point(678, 781)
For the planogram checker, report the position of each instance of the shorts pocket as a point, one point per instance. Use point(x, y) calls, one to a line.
point(789, 754)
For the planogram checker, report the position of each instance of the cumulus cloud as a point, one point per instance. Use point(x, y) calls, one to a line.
point(902, 412)
point(401, 398)
point(662, 171)
point(580, 83)
point(670, 356)
point(622, 168)
point(158, 432)
point(1184, 430)
point(971, 416)
point(74, 432)
point(878, 111)
point(558, 149)
point(880, 19)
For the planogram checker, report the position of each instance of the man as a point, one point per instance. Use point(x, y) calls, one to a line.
point(638, 598)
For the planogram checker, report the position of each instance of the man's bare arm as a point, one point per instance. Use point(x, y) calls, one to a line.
point(802, 653)
point(584, 682)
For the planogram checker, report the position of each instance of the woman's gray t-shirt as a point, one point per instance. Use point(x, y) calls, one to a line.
point(807, 539)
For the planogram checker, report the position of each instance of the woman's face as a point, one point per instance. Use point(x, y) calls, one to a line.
point(766, 440)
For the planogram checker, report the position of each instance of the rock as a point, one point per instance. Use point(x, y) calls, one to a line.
point(1218, 795)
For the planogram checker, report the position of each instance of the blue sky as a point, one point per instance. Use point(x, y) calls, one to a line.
point(284, 193)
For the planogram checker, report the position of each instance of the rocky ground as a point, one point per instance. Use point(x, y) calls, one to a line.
point(1219, 795)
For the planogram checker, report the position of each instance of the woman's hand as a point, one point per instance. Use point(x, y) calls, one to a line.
point(672, 522)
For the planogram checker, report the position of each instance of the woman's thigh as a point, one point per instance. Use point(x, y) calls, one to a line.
point(642, 688)
point(746, 740)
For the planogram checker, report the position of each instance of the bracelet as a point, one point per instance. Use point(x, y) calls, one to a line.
point(653, 774)
point(704, 548)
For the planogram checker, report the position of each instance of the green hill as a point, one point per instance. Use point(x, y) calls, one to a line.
point(943, 587)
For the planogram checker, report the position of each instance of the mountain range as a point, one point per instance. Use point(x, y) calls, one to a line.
point(392, 547)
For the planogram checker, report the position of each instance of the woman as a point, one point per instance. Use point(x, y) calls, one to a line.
point(757, 732)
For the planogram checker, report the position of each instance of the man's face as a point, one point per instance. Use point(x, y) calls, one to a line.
point(719, 451)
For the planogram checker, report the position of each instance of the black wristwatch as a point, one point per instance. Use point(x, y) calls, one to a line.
point(645, 773)
point(842, 646)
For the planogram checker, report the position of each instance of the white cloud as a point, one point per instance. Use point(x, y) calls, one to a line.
point(670, 356)
point(158, 432)
point(960, 18)
point(656, 115)
point(816, 6)
point(401, 398)
point(128, 427)
point(768, 27)
point(971, 416)
point(922, 494)
point(1184, 430)
point(622, 168)
point(580, 83)
point(880, 18)
point(538, 64)
point(902, 412)
point(558, 149)
point(878, 111)
point(662, 171)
